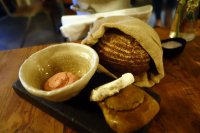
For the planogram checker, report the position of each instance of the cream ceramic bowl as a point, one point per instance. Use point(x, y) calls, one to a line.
point(79, 59)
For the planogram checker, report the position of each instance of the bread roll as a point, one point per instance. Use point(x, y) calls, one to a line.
point(126, 108)
point(145, 42)
point(129, 110)
point(121, 53)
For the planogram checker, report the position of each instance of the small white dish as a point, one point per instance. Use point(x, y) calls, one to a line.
point(76, 58)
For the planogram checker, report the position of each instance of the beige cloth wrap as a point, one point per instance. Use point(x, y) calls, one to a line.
point(143, 33)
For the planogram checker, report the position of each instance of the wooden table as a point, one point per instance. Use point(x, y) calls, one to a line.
point(179, 91)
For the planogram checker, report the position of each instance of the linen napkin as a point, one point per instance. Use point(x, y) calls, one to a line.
point(143, 33)
point(75, 27)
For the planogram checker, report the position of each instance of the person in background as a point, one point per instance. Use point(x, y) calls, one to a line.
point(168, 6)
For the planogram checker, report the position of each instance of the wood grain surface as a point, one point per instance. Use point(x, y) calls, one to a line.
point(179, 91)
point(17, 115)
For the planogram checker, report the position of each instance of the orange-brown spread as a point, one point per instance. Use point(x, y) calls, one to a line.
point(60, 80)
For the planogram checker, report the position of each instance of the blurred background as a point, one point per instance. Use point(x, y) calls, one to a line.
point(25, 23)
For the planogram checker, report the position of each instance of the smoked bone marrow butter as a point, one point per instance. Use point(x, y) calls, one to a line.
point(127, 44)
point(60, 80)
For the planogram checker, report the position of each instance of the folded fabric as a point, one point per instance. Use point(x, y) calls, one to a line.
point(75, 27)
point(143, 33)
point(96, 6)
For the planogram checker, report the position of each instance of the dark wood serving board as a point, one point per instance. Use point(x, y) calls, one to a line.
point(78, 113)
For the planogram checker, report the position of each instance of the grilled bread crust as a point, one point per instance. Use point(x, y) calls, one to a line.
point(122, 53)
